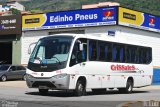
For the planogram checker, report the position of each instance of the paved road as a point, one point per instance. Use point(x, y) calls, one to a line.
point(17, 92)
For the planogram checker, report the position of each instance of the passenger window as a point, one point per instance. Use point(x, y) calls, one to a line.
point(148, 55)
point(136, 55)
point(145, 55)
point(102, 51)
point(20, 68)
point(13, 68)
point(129, 54)
point(108, 51)
point(118, 53)
point(141, 56)
point(122, 53)
point(92, 50)
point(77, 55)
point(133, 54)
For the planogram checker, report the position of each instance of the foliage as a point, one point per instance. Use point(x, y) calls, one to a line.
point(149, 6)
point(15, 11)
point(36, 11)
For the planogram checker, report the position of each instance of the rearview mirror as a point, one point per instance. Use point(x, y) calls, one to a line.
point(10, 70)
point(81, 47)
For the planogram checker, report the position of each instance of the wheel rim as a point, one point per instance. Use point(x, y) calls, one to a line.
point(3, 78)
point(130, 87)
point(24, 77)
point(80, 88)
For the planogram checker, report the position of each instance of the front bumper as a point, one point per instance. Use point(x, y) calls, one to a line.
point(49, 83)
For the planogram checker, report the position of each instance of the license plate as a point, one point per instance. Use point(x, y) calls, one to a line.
point(43, 87)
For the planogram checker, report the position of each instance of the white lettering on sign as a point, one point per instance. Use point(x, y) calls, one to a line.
point(12, 21)
point(59, 18)
point(86, 17)
point(66, 18)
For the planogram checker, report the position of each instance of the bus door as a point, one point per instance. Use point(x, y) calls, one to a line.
point(79, 57)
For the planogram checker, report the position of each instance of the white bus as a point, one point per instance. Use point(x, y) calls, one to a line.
point(88, 61)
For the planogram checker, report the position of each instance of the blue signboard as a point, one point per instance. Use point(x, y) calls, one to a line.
point(92, 17)
point(76, 18)
point(151, 22)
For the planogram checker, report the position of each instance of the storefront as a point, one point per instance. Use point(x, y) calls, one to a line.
point(10, 33)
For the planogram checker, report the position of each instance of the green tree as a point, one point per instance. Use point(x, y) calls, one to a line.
point(15, 11)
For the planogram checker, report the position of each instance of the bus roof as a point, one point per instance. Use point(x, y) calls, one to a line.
point(98, 36)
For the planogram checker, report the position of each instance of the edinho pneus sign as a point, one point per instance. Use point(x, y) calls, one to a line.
point(69, 19)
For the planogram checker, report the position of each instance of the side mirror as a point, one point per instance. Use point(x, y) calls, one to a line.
point(10, 70)
point(81, 47)
point(30, 48)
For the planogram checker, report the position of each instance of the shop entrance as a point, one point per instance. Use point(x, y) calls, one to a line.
point(6, 52)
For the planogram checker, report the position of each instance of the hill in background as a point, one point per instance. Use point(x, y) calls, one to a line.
point(149, 6)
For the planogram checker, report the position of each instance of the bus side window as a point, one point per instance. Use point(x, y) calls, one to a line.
point(145, 55)
point(122, 54)
point(148, 55)
point(128, 54)
point(114, 53)
point(141, 56)
point(101, 51)
point(104, 51)
point(92, 50)
point(136, 60)
point(109, 52)
point(133, 54)
point(118, 53)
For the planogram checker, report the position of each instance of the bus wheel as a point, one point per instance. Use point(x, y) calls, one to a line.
point(80, 88)
point(43, 91)
point(128, 89)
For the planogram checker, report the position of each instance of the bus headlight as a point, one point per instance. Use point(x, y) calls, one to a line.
point(60, 76)
point(29, 76)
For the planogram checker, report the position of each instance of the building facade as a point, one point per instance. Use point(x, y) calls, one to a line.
point(130, 25)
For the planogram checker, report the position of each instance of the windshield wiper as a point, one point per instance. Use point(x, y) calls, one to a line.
point(57, 60)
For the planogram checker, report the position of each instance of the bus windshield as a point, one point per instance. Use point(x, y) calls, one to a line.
point(50, 53)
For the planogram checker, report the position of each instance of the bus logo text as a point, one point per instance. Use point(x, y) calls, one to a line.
point(122, 67)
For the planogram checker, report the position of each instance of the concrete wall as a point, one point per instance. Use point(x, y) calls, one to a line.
point(16, 51)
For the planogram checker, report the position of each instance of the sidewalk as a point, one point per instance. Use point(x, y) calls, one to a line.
point(18, 84)
point(152, 87)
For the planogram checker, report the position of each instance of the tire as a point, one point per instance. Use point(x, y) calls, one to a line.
point(99, 91)
point(24, 77)
point(80, 89)
point(128, 89)
point(43, 91)
point(3, 78)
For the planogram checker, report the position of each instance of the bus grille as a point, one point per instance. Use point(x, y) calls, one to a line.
point(43, 83)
